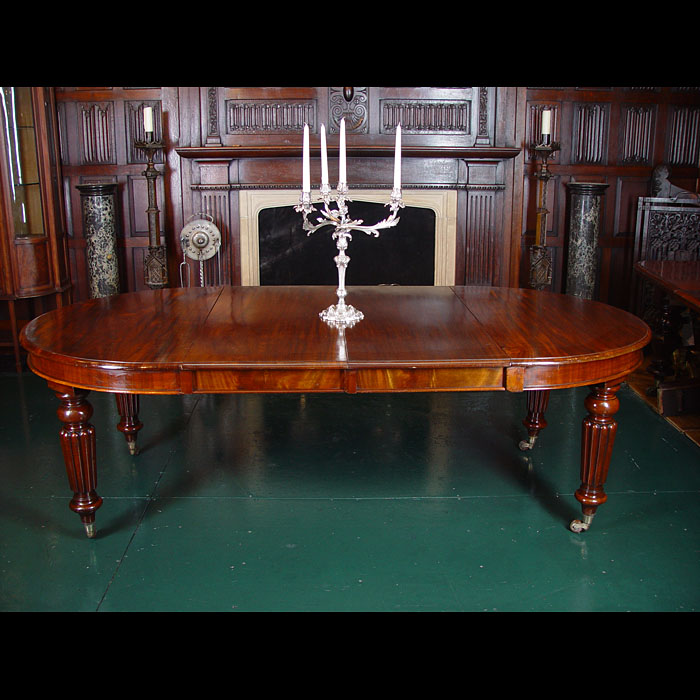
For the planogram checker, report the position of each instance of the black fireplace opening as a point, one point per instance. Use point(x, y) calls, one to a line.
point(403, 255)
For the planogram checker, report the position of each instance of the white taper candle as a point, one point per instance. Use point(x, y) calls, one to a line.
point(397, 159)
point(546, 122)
point(324, 156)
point(342, 180)
point(305, 167)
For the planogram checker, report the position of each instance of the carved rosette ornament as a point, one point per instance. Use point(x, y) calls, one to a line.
point(351, 104)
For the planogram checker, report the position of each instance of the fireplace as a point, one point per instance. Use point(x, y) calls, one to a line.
point(420, 250)
point(244, 169)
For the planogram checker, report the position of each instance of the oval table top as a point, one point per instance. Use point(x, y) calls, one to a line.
point(228, 339)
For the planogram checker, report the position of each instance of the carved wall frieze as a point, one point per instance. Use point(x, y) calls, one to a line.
point(427, 116)
point(263, 116)
point(350, 104)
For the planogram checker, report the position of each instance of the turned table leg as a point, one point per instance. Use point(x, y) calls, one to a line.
point(537, 402)
point(128, 407)
point(78, 443)
point(597, 439)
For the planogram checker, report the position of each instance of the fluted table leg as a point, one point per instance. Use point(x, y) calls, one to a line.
point(597, 439)
point(537, 402)
point(128, 407)
point(78, 444)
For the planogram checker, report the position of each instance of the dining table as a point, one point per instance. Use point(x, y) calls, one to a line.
point(262, 339)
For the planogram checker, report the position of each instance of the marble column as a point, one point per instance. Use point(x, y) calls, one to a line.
point(99, 210)
point(584, 228)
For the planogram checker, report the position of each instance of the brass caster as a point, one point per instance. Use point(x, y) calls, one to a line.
point(90, 530)
point(133, 448)
point(527, 444)
point(581, 525)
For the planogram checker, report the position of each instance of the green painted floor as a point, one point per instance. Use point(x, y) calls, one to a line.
point(415, 502)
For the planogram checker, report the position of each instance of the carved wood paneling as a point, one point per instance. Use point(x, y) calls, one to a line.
point(636, 134)
point(215, 203)
point(607, 134)
point(350, 104)
point(269, 117)
point(97, 133)
point(483, 249)
point(683, 136)
point(427, 116)
point(98, 130)
point(613, 135)
point(590, 135)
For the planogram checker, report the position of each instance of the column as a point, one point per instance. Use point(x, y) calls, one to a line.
point(584, 228)
point(100, 230)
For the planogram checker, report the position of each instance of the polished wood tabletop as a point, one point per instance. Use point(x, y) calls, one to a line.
point(680, 278)
point(206, 340)
point(271, 339)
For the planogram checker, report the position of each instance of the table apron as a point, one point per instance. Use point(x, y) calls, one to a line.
point(561, 376)
point(185, 379)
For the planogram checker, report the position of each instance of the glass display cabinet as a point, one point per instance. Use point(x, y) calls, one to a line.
point(33, 261)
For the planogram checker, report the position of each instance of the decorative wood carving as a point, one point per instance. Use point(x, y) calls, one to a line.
point(215, 203)
point(427, 116)
point(350, 104)
point(97, 133)
point(590, 138)
point(636, 134)
point(683, 144)
point(212, 118)
point(667, 230)
point(483, 239)
point(262, 116)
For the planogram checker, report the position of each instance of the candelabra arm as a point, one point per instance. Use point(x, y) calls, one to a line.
point(343, 315)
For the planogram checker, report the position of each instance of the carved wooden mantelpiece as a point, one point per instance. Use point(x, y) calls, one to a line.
point(233, 113)
point(252, 140)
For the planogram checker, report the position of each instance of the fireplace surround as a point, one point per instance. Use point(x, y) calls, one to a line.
point(437, 209)
point(456, 170)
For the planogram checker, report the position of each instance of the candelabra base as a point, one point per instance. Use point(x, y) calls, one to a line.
point(341, 315)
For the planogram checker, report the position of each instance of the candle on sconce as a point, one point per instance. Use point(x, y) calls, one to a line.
point(324, 157)
point(546, 123)
point(148, 120)
point(306, 172)
point(397, 159)
point(342, 180)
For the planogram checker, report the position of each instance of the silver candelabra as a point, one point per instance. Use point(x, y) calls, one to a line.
point(342, 315)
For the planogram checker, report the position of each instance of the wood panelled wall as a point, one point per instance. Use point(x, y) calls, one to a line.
point(98, 127)
point(614, 135)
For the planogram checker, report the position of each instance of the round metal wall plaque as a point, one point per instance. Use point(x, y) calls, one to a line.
point(200, 239)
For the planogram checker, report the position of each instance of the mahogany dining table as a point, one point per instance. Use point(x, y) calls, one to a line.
point(677, 278)
point(231, 339)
